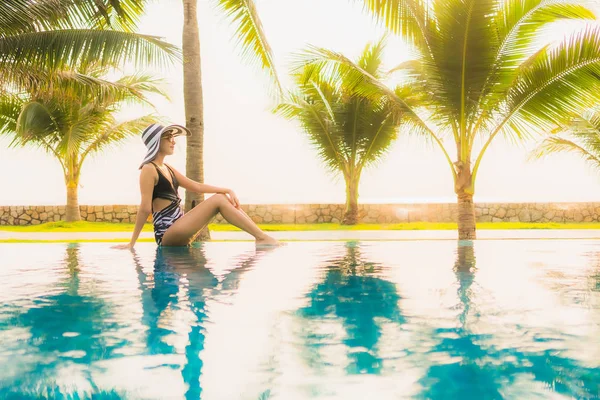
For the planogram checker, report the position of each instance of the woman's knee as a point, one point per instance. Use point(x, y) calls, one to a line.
point(215, 199)
point(220, 199)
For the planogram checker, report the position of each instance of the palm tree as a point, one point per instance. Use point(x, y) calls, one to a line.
point(255, 48)
point(71, 122)
point(350, 131)
point(483, 75)
point(51, 35)
point(581, 136)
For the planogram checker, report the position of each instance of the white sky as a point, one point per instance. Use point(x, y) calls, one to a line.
point(266, 159)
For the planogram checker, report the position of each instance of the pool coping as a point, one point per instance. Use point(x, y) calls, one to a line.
point(334, 235)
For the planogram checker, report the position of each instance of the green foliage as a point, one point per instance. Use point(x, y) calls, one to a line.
point(580, 136)
point(348, 129)
point(482, 71)
point(71, 122)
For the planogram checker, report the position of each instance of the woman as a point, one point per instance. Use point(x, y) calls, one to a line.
point(158, 185)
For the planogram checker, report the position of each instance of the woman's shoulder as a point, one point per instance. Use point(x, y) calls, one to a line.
point(149, 170)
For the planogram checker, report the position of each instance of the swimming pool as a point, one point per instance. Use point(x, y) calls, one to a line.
point(312, 320)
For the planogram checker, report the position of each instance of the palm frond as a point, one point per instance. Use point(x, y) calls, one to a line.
point(558, 83)
point(372, 58)
point(138, 86)
point(84, 125)
point(462, 56)
point(22, 16)
point(250, 35)
point(331, 64)
point(71, 48)
point(322, 133)
point(69, 85)
point(10, 108)
point(589, 151)
point(518, 24)
point(376, 144)
point(113, 133)
point(412, 19)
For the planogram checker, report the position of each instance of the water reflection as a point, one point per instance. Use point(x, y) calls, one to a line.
point(391, 319)
point(353, 292)
point(180, 280)
point(65, 330)
point(482, 366)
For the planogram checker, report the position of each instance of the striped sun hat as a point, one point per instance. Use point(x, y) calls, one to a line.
point(152, 134)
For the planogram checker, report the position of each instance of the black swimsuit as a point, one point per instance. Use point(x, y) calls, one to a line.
point(166, 217)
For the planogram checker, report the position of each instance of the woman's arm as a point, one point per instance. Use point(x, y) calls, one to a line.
point(147, 182)
point(197, 187)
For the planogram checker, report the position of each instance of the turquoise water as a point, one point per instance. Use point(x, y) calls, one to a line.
point(311, 320)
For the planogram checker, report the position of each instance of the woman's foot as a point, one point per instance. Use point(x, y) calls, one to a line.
point(267, 240)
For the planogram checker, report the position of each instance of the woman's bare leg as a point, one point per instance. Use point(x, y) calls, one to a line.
point(186, 227)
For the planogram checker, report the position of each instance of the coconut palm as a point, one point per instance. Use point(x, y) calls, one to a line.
point(581, 136)
point(484, 75)
point(70, 122)
point(350, 131)
point(50, 35)
point(255, 48)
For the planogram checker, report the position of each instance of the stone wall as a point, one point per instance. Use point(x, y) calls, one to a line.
point(35, 215)
point(315, 213)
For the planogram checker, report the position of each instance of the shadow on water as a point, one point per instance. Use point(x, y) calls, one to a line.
point(482, 370)
point(61, 328)
point(352, 292)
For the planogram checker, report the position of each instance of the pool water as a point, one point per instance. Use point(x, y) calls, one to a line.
point(491, 319)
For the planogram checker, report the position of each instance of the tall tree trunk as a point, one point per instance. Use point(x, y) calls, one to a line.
point(72, 212)
point(466, 217)
point(351, 211)
point(194, 107)
point(466, 207)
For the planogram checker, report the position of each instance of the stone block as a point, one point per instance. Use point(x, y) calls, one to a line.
point(524, 216)
point(536, 215)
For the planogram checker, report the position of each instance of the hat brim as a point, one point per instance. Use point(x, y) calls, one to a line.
point(176, 130)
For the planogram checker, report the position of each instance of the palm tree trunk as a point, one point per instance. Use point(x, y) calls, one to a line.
point(351, 211)
point(194, 107)
point(466, 217)
point(72, 212)
point(463, 187)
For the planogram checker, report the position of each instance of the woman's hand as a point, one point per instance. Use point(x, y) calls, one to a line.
point(233, 199)
point(127, 246)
